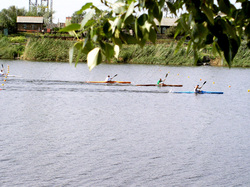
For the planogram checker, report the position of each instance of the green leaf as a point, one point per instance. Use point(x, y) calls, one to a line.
point(71, 27)
point(152, 36)
point(88, 46)
point(71, 54)
point(157, 13)
point(129, 20)
point(106, 27)
point(117, 51)
point(129, 11)
point(84, 7)
point(147, 26)
point(180, 44)
point(172, 8)
point(94, 58)
point(247, 30)
point(208, 12)
point(90, 23)
point(184, 24)
point(224, 6)
point(117, 41)
point(117, 23)
point(161, 3)
point(78, 45)
point(119, 7)
point(78, 57)
point(142, 19)
point(199, 32)
point(109, 51)
point(87, 17)
point(128, 39)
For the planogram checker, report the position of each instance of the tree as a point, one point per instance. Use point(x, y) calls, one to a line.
point(201, 22)
point(8, 18)
point(77, 18)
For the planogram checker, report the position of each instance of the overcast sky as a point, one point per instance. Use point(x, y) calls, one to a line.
point(62, 8)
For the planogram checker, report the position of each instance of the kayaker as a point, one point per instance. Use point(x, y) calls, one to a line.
point(108, 78)
point(197, 88)
point(159, 82)
point(1, 73)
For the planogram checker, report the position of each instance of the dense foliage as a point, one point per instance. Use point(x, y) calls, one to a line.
point(11, 48)
point(46, 49)
point(8, 18)
point(201, 23)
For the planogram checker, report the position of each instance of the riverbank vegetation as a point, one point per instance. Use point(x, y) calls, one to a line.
point(163, 53)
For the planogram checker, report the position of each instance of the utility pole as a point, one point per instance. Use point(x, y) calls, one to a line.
point(47, 5)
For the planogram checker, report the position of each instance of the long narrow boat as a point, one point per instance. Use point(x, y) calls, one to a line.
point(109, 82)
point(201, 92)
point(160, 85)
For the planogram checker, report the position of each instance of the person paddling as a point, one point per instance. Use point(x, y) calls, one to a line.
point(160, 82)
point(108, 78)
point(197, 89)
point(1, 73)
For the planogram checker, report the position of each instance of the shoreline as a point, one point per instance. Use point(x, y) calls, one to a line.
point(56, 50)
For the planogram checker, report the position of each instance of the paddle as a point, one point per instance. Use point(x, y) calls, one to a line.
point(3, 69)
point(114, 76)
point(164, 79)
point(203, 84)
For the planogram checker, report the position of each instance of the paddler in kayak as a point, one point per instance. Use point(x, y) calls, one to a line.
point(108, 78)
point(197, 89)
point(1, 73)
point(160, 82)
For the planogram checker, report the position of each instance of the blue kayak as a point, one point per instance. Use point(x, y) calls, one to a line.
point(201, 92)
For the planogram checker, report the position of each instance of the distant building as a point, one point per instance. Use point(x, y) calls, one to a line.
point(165, 24)
point(68, 19)
point(30, 24)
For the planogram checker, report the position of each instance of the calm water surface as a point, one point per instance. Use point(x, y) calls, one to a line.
point(56, 130)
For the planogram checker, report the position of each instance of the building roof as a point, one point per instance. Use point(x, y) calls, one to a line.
point(167, 22)
point(29, 19)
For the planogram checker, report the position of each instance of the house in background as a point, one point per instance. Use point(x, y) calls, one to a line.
point(165, 24)
point(30, 24)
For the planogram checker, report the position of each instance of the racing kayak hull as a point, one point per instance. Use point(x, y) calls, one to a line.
point(109, 82)
point(201, 92)
point(165, 85)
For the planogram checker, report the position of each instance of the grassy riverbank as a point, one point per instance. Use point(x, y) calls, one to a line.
point(163, 53)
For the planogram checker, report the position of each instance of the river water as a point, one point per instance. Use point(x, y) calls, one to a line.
point(56, 130)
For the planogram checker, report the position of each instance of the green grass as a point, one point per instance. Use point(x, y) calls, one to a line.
point(10, 50)
point(38, 49)
point(163, 53)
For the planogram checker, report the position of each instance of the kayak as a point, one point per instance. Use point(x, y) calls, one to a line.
point(109, 82)
point(9, 75)
point(167, 85)
point(201, 92)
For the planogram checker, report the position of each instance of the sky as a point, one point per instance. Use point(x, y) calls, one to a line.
point(62, 8)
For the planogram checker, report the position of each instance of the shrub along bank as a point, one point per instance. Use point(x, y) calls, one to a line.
point(46, 49)
point(10, 49)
